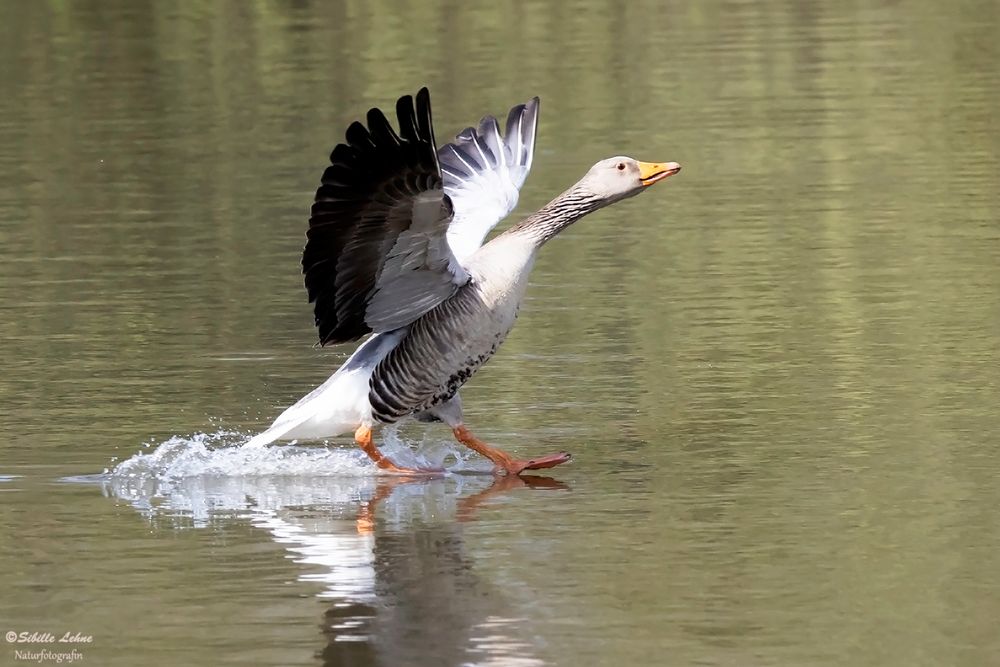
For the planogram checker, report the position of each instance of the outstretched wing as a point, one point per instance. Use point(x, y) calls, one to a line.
point(483, 174)
point(377, 255)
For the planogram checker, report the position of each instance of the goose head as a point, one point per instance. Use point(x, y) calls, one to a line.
point(620, 177)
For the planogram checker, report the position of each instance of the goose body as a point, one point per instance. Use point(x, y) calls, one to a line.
point(395, 249)
point(443, 349)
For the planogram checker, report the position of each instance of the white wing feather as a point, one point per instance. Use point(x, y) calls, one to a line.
point(483, 173)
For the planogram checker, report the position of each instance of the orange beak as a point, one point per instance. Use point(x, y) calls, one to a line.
point(651, 172)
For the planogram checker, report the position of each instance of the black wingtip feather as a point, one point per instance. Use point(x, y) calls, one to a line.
point(381, 131)
point(358, 137)
point(425, 124)
point(407, 118)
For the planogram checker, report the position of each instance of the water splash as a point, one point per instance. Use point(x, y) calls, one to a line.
point(208, 474)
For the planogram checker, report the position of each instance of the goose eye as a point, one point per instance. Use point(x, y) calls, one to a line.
point(621, 166)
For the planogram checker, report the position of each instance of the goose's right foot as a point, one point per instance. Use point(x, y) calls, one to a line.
point(517, 466)
point(504, 462)
point(363, 436)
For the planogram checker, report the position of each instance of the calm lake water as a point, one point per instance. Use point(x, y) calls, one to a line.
point(779, 372)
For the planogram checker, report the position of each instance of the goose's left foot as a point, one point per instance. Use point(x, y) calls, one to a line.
point(363, 436)
point(504, 462)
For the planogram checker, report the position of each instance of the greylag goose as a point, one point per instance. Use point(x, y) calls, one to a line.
point(395, 248)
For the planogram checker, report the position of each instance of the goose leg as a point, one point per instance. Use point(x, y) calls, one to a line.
point(503, 461)
point(363, 436)
point(450, 412)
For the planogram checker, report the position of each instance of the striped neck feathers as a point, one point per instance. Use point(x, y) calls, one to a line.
point(559, 214)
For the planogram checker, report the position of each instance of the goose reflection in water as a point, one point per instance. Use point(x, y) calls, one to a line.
point(426, 604)
point(399, 583)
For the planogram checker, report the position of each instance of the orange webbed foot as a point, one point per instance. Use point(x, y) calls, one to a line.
point(517, 466)
point(363, 436)
point(504, 462)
